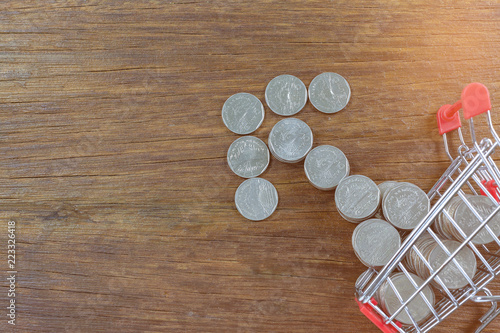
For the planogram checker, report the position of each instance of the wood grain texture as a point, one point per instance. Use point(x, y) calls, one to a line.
point(113, 154)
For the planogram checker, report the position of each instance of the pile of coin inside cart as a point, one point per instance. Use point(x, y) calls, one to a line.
point(384, 213)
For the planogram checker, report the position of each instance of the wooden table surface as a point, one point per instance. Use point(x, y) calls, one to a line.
point(113, 155)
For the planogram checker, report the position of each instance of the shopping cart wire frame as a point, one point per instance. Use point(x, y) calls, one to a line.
point(472, 172)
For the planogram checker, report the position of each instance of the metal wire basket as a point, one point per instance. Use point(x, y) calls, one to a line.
point(472, 173)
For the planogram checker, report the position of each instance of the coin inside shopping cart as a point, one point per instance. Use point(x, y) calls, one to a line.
point(443, 225)
point(469, 221)
point(412, 259)
point(452, 276)
point(433, 257)
point(391, 298)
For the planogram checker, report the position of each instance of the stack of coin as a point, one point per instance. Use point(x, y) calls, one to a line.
point(248, 156)
point(256, 199)
point(425, 244)
point(467, 221)
point(325, 166)
point(290, 140)
point(286, 95)
point(375, 242)
point(329, 92)
point(357, 198)
point(390, 303)
point(405, 206)
point(442, 225)
point(242, 113)
point(384, 188)
point(434, 254)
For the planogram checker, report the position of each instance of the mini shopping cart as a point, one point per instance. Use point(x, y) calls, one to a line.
point(472, 172)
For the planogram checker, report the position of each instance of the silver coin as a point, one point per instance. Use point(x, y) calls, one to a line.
point(468, 222)
point(325, 166)
point(276, 156)
point(417, 307)
point(405, 206)
point(248, 156)
point(242, 113)
point(435, 256)
point(256, 199)
point(375, 241)
point(286, 95)
point(329, 92)
point(290, 140)
point(379, 215)
point(386, 187)
point(425, 244)
point(443, 225)
point(363, 279)
point(451, 276)
point(357, 198)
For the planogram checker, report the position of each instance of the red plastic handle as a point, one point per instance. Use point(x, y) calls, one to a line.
point(375, 318)
point(475, 99)
point(491, 186)
point(448, 118)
